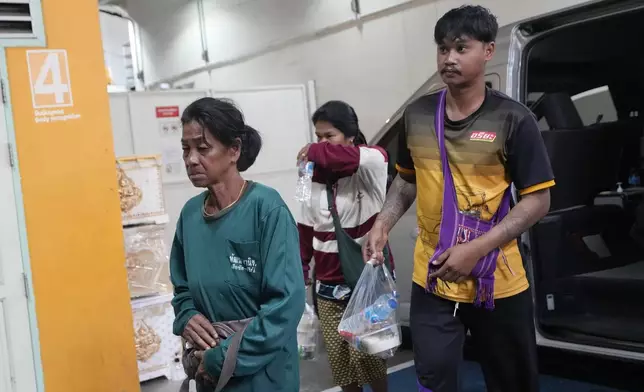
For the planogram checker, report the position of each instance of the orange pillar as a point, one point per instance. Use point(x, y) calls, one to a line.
point(72, 213)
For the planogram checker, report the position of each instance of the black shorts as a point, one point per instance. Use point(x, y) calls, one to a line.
point(504, 339)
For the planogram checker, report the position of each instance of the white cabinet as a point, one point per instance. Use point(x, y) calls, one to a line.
point(156, 346)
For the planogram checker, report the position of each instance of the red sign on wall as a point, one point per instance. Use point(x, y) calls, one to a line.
point(167, 111)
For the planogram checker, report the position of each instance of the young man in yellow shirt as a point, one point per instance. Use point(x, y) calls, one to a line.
point(460, 150)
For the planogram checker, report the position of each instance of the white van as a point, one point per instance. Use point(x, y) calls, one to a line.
point(581, 70)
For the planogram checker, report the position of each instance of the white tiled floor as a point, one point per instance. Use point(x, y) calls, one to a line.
point(315, 375)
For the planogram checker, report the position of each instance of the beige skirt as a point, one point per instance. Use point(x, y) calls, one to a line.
point(348, 365)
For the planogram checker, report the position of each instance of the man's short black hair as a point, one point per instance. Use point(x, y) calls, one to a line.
point(473, 21)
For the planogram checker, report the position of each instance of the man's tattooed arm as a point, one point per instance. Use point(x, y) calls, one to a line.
point(524, 215)
point(400, 197)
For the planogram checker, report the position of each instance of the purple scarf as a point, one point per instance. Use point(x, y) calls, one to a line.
point(457, 227)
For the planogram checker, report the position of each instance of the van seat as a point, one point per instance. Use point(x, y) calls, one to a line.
point(585, 161)
point(631, 272)
point(559, 110)
point(561, 241)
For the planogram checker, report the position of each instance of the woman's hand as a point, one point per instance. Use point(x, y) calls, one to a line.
point(200, 333)
point(303, 154)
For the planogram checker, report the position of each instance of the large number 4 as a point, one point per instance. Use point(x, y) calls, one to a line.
point(55, 85)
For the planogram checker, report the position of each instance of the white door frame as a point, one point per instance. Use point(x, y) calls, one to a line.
point(35, 372)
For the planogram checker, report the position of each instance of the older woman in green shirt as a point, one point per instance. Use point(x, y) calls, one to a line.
point(235, 256)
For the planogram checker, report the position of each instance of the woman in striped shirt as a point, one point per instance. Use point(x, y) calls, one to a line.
point(357, 173)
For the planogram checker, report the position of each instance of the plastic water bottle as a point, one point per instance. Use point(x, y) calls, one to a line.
point(304, 181)
point(382, 309)
point(307, 334)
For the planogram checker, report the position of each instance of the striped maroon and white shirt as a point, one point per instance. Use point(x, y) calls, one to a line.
point(361, 173)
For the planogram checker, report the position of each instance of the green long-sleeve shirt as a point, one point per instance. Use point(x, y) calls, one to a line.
point(242, 263)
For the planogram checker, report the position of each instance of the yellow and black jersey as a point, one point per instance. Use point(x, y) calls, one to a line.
point(496, 146)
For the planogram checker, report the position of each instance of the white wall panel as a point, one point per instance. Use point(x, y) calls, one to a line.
point(169, 35)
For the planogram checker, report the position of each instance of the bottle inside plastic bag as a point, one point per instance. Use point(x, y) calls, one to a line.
point(382, 309)
point(308, 332)
point(304, 181)
point(370, 321)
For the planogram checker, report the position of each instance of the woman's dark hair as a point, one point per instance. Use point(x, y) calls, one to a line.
point(473, 21)
point(225, 122)
point(343, 118)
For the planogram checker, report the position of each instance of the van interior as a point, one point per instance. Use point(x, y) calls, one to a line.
point(585, 84)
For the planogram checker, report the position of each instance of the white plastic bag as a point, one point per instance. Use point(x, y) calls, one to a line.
point(370, 322)
point(308, 332)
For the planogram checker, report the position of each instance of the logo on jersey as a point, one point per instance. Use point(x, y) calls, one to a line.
point(481, 136)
